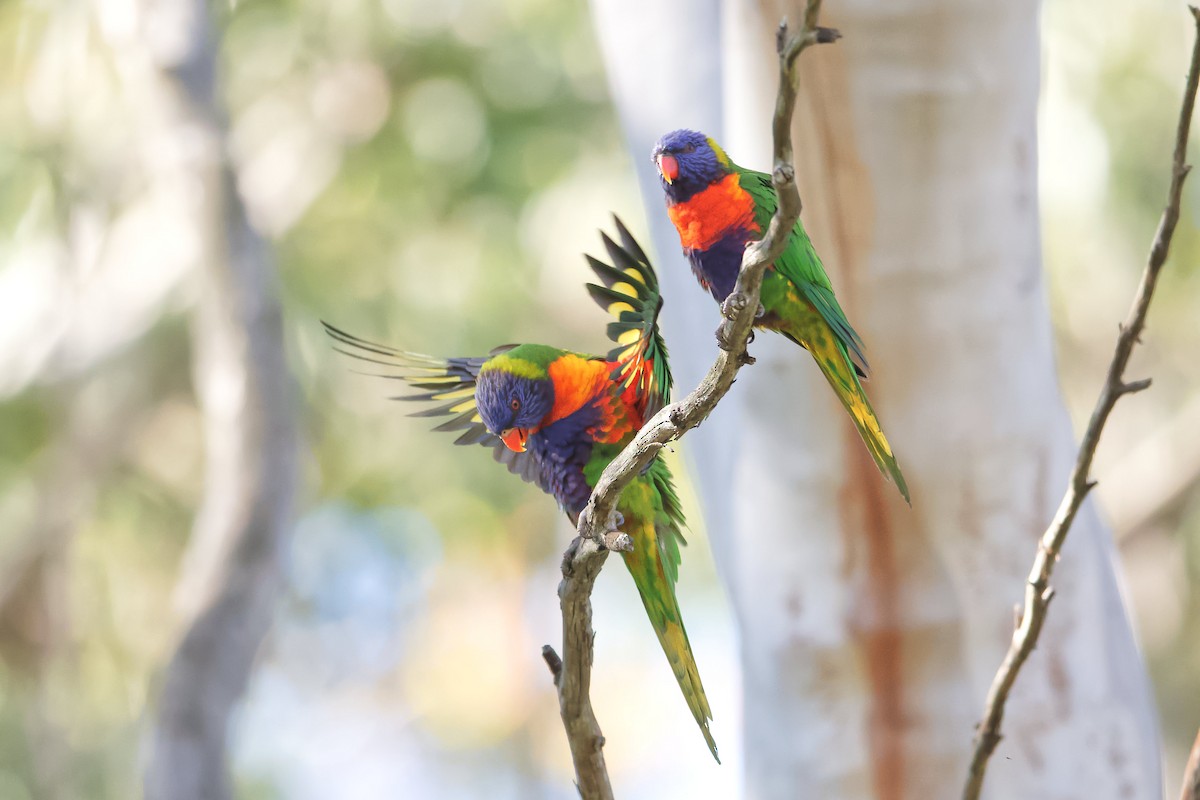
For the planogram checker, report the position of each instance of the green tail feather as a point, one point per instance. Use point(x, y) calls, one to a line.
point(651, 513)
point(831, 356)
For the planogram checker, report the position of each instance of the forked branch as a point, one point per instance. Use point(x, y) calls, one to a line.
point(583, 559)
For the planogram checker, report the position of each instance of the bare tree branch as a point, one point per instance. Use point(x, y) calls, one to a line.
point(585, 556)
point(573, 675)
point(1038, 591)
point(234, 564)
point(1191, 774)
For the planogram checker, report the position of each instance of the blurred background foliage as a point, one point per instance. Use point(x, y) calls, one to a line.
point(428, 174)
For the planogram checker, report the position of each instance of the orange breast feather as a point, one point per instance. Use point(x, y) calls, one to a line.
point(579, 381)
point(707, 216)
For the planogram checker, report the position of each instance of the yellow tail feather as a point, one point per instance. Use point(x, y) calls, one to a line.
point(835, 364)
point(649, 570)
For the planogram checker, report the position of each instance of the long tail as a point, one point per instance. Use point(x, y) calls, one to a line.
point(831, 356)
point(654, 565)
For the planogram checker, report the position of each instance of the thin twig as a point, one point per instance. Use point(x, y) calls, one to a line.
point(1191, 774)
point(585, 557)
point(553, 662)
point(1038, 591)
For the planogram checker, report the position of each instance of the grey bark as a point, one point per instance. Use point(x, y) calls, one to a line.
point(232, 572)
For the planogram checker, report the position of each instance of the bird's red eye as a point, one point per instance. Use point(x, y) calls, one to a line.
point(688, 148)
point(516, 404)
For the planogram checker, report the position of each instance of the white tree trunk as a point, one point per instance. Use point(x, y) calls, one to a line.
point(870, 632)
point(640, 40)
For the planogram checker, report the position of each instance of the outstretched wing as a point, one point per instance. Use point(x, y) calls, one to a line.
point(630, 293)
point(447, 382)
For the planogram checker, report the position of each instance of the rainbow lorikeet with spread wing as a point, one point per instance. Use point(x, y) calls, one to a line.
point(557, 418)
point(718, 208)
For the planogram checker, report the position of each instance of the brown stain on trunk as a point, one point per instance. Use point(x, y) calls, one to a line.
point(876, 623)
point(839, 215)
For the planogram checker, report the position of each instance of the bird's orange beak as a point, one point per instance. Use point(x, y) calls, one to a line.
point(668, 167)
point(514, 439)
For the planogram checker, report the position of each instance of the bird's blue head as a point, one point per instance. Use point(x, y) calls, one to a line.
point(689, 162)
point(513, 395)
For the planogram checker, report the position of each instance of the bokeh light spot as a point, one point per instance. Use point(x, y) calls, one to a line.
point(444, 122)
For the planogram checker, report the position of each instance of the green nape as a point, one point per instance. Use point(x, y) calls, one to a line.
point(525, 361)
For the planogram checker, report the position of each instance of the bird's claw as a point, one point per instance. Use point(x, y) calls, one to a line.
point(732, 304)
point(723, 337)
point(723, 341)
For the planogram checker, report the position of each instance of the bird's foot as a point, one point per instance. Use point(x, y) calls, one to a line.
point(732, 304)
point(725, 343)
point(722, 334)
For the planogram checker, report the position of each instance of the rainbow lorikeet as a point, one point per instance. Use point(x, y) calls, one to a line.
point(718, 208)
point(557, 418)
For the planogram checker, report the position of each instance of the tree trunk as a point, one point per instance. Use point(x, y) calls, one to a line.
point(232, 573)
point(870, 631)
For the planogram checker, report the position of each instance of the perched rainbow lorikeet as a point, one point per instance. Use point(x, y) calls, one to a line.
point(557, 418)
point(718, 208)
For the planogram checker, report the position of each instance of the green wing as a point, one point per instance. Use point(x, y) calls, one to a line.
point(630, 293)
point(448, 382)
point(802, 266)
